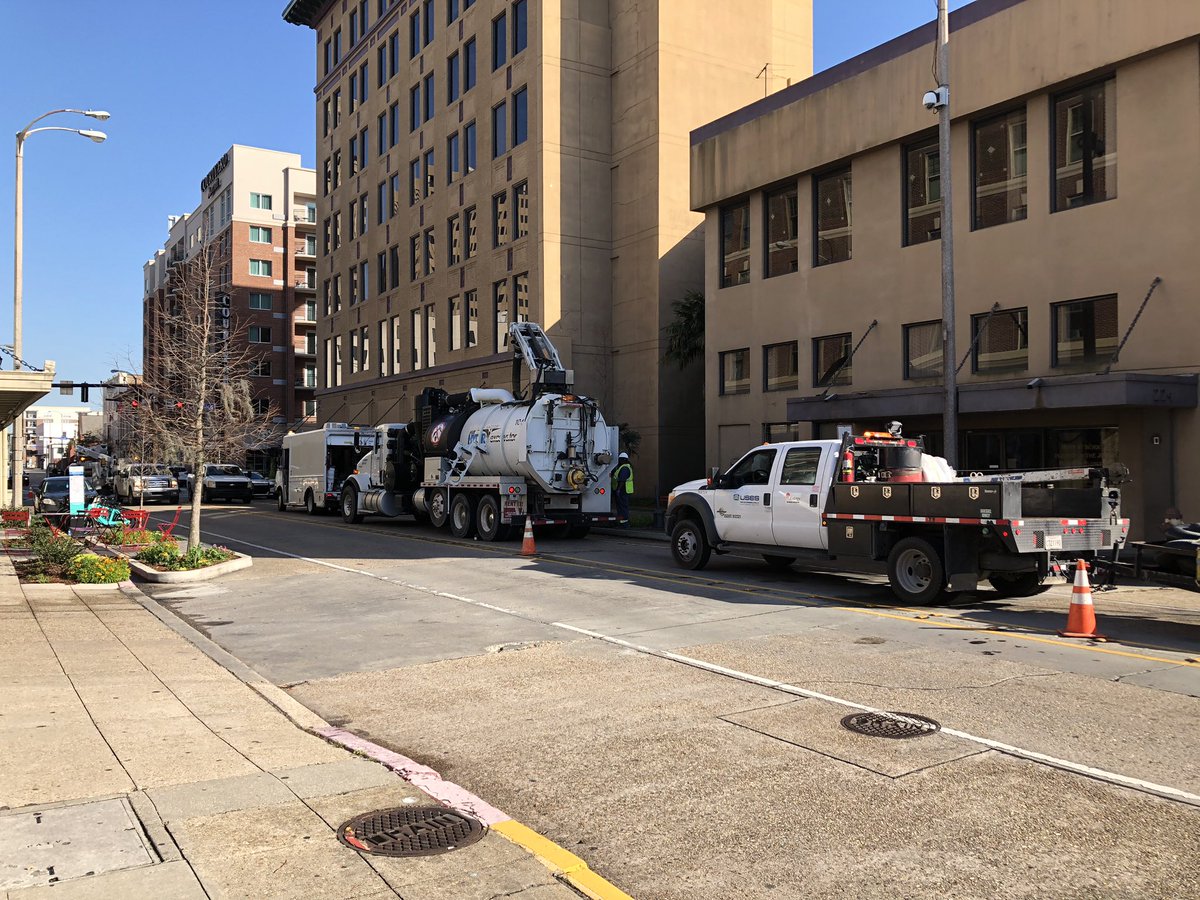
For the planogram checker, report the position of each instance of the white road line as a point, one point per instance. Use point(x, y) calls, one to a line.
point(1137, 784)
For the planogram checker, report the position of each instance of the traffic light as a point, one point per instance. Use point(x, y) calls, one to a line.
point(134, 404)
point(179, 404)
point(83, 393)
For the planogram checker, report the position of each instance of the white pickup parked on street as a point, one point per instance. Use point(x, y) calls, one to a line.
point(879, 497)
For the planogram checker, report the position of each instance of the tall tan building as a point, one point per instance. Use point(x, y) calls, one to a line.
point(259, 208)
point(1076, 183)
point(486, 161)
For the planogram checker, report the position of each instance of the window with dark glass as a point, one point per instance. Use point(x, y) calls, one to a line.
point(468, 65)
point(834, 217)
point(414, 182)
point(471, 301)
point(520, 26)
point(394, 195)
point(831, 360)
point(521, 293)
point(414, 107)
point(500, 313)
point(520, 116)
point(430, 264)
point(394, 54)
point(781, 366)
point(429, 22)
point(381, 272)
point(500, 234)
point(454, 323)
point(451, 11)
point(800, 465)
point(499, 130)
point(381, 203)
point(381, 64)
point(362, 83)
point(472, 236)
point(414, 257)
point(774, 432)
point(521, 209)
point(454, 240)
point(499, 41)
point(394, 266)
point(735, 371)
point(452, 161)
point(922, 193)
point(430, 103)
point(353, 91)
point(753, 468)
point(414, 34)
point(452, 78)
point(1085, 331)
point(394, 124)
point(735, 244)
point(1000, 341)
point(923, 350)
point(781, 229)
point(1085, 145)
point(1000, 160)
point(469, 157)
point(430, 173)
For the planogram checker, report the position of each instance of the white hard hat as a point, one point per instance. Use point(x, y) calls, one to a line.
point(623, 455)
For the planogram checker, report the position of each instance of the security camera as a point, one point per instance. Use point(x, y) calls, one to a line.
point(1035, 383)
point(935, 100)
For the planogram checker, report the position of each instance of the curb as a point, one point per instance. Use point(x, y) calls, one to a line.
point(154, 576)
point(565, 865)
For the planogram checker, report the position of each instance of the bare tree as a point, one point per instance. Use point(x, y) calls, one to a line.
point(198, 405)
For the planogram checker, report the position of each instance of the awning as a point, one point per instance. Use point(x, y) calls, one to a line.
point(20, 390)
point(1117, 389)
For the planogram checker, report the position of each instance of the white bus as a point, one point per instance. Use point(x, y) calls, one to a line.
point(315, 463)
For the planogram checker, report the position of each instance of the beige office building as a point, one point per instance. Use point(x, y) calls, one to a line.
point(1076, 183)
point(480, 162)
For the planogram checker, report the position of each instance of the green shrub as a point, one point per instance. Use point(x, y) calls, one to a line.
point(54, 551)
point(87, 568)
point(161, 553)
point(126, 537)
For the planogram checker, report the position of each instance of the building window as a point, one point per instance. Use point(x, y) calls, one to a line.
point(451, 11)
point(500, 313)
point(394, 54)
point(452, 161)
point(353, 27)
point(735, 371)
point(381, 203)
point(430, 101)
point(393, 266)
point(1000, 341)
point(337, 168)
point(381, 64)
point(382, 348)
point(352, 214)
point(781, 367)
point(471, 301)
point(430, 256)
point(455, 322)
point(260, 201)
point(397, 345)
point(393, 124)
point(362, 83)
point(735, 244)
point(414, 107)
point(328, 56)
point(428, 28)
point(452, 78)
point(782, 222)
point(834, 217)
point(777, 432)
point(472, 242)
point(364, 280)
point(337, 293)
point(469, 148)
point(1085, 331)
point(521, 207)
point(999, 160)
point(337, 360)
point(1085, 145)
point(454, 240)
point(364, 343)
point(500, 219)
point(922, 193)
point(520, 26)
point(337, 46)
point(414, 257)
point(416, 340)
point(414, 34)
point(260, 267)
point(381, 272)
point(260, 300)
point(499, 41)
point(352, 284)
point(327, 297)
point(354, 358)
point(430, 335)
point(260, 235)
point(259, 334)
point(520, 117)
point(499, 130)
point(923, 350)
point(328, 362)
point(430, 173)
point(325, 118)
point(469, 65)
point(353, 91)
point(521, 291)
point(831, 360)
point(363, 144)
point(414, 182)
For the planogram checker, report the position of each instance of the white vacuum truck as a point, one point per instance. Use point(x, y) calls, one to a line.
point(482, 461)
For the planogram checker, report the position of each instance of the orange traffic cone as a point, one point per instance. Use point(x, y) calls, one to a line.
point(1081, 619)
point(527, 546)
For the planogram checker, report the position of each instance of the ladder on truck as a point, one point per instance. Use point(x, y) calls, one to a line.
point(1044, 476)
point(464, 455)
point(532, 346)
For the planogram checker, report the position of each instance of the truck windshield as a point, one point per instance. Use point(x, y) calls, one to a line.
point(224, 470)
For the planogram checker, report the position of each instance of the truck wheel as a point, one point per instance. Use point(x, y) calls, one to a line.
point(310, 503)
point(462, 515)
point(915, 572)
point(439, 507)
point(1018, 584)
point(280, 501)
point(350, 513)
point(689, 545)
point(487, 519)
point(778, 562)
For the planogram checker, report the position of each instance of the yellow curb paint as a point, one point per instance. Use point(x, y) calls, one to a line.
point(563, 863)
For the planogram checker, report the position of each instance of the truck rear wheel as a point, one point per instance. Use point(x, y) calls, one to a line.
point(915, 572)
point(281, 501)
point(689, 545)
point(487, 519)
point(1018, 584)
point(310, 503)
point(439, 507)
point(462, 515)
point(350, 513)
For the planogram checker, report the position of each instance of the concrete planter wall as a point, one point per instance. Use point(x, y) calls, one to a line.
point(149, 573)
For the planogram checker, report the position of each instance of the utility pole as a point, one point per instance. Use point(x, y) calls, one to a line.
point(949, 373)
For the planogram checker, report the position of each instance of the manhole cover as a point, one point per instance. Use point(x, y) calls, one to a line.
point(890, 724)
point(410, 831)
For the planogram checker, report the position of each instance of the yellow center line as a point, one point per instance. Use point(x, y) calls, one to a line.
point(862, 607)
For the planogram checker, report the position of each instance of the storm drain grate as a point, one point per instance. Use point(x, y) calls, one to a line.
point(890, 724)
point(410, 831)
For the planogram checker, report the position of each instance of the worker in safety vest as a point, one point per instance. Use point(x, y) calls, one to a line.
point(622, 487)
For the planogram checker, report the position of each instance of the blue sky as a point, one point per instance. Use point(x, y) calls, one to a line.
point(183, 81)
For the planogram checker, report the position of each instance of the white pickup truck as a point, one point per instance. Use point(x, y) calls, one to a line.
point(866, 496)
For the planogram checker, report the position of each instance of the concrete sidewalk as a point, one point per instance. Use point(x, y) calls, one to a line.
point(134, 765)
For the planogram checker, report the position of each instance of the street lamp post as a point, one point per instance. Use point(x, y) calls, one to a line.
point(18, 476)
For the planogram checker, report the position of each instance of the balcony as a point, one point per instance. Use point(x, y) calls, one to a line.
point(308, 284)
point(306, 349)
point(306, 384)
point(307, 250)
point(304, 216)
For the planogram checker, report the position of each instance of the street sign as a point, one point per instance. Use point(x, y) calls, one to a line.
point(75, 492)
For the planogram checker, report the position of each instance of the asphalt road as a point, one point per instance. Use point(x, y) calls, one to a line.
point(681, 731)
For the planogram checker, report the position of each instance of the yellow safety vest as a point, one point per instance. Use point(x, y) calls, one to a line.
point(623, 482)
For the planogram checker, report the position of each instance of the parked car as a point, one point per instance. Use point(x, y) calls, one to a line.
point(222, 481)
point(143, 482)
point(53, 494)
point(262, 485)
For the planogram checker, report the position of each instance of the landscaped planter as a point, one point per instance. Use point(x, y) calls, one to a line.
point(149, 573)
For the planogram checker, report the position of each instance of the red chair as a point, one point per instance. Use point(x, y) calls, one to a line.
point(167, 528)
point(18, 518)
point(136, 518)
